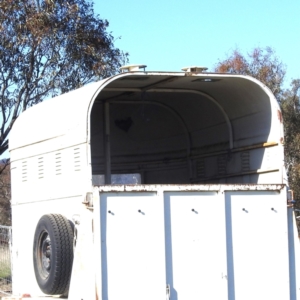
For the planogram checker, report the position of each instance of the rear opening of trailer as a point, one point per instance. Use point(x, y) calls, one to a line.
point(171, 129)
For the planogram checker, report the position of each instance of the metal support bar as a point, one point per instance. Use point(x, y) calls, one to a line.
point(107, 144)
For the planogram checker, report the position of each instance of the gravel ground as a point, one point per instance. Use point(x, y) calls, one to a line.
point(5, 289)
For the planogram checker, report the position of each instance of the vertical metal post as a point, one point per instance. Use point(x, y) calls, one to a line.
point(292, 237)
point(107, 154)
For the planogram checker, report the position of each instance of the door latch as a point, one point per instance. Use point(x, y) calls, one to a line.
point(168, 290)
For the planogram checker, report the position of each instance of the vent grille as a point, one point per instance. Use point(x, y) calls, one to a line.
point(201, 168)
point(77, 159)
point(24, 171)
point(222, 165)
point(245, 156)
point(40, 167)
point(58, 164)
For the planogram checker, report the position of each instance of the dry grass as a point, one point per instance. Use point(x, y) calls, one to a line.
point(5, 266)
point(5, 288)
point(5, 271)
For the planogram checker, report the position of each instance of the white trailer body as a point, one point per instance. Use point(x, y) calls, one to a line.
point(172, 184)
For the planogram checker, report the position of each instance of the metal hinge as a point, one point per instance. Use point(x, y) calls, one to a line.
point(88, 201)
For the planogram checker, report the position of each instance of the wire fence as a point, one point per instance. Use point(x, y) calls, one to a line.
point(5, 260)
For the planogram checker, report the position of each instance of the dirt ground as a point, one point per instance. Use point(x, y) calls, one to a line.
point(6, 288)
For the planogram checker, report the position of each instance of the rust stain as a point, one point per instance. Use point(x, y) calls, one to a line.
point(97, 297)
point(279, 115)
point(189, 187)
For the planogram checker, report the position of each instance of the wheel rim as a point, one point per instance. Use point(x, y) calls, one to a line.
point(44, 254)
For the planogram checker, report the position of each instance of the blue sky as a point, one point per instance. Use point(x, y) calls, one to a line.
point(168, 35)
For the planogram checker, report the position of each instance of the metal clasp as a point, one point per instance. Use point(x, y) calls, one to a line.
point(168, 290)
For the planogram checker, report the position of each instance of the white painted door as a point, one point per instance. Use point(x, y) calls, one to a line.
point(196, 245)
point(257, 245)
point(133, 250)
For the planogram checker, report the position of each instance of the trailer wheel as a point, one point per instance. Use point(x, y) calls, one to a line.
point(53, 254)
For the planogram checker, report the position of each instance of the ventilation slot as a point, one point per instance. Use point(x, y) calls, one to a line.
point(222, 164)
point(58, 164)
point(201, 169)
point(24, 171)
point(40, 167)
point(77, 159)
point(245, 161)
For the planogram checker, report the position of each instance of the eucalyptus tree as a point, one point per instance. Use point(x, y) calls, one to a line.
point(48, 47)
point(260, 63)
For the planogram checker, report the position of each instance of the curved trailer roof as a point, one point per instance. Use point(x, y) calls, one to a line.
point(67, 117)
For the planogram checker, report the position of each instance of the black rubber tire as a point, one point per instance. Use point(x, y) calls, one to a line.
point(53, 254)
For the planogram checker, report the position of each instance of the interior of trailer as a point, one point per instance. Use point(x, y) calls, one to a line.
point(164, 129)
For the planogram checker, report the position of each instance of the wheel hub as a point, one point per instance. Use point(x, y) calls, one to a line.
point(45, 254)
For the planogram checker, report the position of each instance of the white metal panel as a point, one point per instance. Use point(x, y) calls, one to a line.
point(196, 245)
point(133, 252)
point(60, 174)
point(294, 252)
point(83, 281)
point(65, 115)
point(257, 248)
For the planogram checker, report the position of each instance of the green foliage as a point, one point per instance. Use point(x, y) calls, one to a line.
point(290, 107)
point(49, 47)
point(5, 268)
